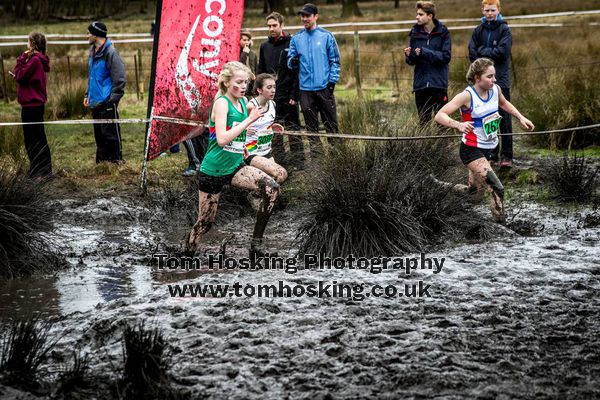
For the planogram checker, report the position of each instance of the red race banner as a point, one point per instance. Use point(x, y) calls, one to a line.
point(193, 39)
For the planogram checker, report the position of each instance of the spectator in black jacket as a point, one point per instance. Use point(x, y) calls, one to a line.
point(429, 51)
point(492, 39)
point(273, 60)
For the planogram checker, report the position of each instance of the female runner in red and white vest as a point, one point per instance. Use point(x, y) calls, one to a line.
point(480, 125)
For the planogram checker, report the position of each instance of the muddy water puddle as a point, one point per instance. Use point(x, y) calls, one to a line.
point(512, 317)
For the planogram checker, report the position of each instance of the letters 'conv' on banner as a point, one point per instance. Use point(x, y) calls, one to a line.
point(195, 38)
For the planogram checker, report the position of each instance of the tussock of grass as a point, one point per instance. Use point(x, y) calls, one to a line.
point(12, 144)
point(378, 199)
point(572, 179)
point(24, 349)
point(146, 362)
point(75, 381)
point(24, 215)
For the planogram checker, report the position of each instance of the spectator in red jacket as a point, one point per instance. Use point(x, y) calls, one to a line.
point(30, 74)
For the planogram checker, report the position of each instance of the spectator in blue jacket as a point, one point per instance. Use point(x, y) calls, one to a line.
point(492, 39)
point(430, 50)
point(315, 51)
point(106, 86)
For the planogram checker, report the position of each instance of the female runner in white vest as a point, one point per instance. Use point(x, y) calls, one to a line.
point(260, 133)
point(480, 126)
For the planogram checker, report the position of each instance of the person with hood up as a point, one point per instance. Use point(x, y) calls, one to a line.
point(106, 86)
point(30, 74)
point(430, 51)
point(492, 39)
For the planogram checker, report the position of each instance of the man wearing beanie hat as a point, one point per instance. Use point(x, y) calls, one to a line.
point(106, 86)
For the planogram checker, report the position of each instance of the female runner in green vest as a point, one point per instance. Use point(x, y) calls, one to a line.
point(224, 159)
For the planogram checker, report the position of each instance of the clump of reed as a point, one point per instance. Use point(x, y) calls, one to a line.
point(146, 362)
point(25, 214)
point(380, 198)
point(75, 380)
point(24, 348)
point(12, 144)
point(572, 179)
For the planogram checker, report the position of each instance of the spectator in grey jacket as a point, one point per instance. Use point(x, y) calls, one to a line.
point(492, 39)
point(106, 86)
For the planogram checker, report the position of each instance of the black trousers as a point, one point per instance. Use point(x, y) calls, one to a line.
point(429, 101)
point(108, 136)
point(196, 149)
point(36, 144)
point(506, 142)
point(318, 102)
point(288, 116)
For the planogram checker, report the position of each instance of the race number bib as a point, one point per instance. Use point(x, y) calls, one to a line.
point(237, 145)
point(491, 125)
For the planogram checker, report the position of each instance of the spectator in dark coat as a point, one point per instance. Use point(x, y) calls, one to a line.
point(30, 74)
point(492, 39)
point(272, 59)
point(429, 51)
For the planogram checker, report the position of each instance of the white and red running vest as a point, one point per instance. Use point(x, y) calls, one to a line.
point(485, 117)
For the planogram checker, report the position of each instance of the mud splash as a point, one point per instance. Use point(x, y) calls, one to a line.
point(512, 317)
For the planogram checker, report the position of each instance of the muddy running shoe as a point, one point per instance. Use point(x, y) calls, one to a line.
point(189, 172)
point(498, 212)
point(506, 164)
point(257, 249)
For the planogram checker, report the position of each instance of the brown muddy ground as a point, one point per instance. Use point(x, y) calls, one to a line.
point(514, 317)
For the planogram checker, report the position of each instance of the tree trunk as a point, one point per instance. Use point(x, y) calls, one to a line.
point(350, 8)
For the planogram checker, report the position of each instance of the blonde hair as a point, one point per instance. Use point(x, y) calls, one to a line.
point(427, 6)
point(490, 3)
point(228, 71)
point(477, 68)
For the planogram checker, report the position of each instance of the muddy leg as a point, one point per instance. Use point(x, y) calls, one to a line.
point(483, 174)
point(255, 179)
point(207, 212)
point(458, 188)
point(269, 166)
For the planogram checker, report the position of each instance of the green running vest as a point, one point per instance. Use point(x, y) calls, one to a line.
point(221, 161)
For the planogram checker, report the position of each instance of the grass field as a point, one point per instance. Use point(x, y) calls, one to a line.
point(551, 85)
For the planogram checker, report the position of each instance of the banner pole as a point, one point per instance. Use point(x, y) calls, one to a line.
point(150, 109)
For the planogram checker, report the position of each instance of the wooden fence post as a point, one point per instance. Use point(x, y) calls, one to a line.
point(139, 54)
point(4, 88)
point(137, 79)
point(69, 71)
point(359, 90)
point(395, 75)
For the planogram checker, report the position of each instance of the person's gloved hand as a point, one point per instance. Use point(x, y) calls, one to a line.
point(331, 87)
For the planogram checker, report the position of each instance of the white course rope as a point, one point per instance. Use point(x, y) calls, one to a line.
point(80, 122)
point(289, 133)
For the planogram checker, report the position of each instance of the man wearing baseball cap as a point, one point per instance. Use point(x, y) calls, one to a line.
point(315, 52)
point(106, 86)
